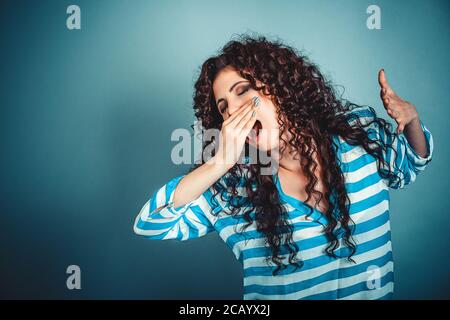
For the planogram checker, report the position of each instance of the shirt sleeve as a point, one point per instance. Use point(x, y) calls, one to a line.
point(160, 220)
point(405, 163)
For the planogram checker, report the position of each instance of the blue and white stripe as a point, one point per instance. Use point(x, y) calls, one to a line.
point(321, 277)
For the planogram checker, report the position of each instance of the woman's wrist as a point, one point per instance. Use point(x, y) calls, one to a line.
point(218, 165)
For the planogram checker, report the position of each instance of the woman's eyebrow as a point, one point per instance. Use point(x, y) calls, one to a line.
point(229, 90)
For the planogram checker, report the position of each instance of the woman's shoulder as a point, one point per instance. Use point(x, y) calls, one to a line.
point(355, 115)
point(363, 113)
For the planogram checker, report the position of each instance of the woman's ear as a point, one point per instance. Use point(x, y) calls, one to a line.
point(266, 92)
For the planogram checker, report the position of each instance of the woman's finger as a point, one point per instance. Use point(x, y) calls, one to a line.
point(245, 118)
point(383, 81)
point(231, 121)
point(392, 113)
point(384, 94)
point(249, 124)
point(234, 122)
point(249, 113)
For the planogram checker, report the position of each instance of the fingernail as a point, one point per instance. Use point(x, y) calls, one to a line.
point(254, 113)
point(256, 101)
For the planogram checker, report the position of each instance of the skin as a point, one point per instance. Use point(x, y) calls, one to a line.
point(404, 113)
point(236, 109)
point(235, 129)
point(292, 180)
point(231, 102)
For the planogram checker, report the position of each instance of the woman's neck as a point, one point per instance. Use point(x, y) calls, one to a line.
point(290, 161)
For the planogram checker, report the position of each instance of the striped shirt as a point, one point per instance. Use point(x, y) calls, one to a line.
point(321, 276)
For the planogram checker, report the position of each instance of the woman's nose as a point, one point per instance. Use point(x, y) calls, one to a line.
point(232, 109)
point(235, 107)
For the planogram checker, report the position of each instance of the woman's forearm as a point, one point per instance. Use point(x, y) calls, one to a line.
point(232, 138)
point(416, 138)
point(198, 181)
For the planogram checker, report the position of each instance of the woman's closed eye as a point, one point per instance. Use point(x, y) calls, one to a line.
point(245, 89)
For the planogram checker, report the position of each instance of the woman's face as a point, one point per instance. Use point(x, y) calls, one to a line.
point(231, 92)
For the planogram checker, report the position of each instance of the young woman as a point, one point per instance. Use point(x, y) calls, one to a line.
point(317, 227)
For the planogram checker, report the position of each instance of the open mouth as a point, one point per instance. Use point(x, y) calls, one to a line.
point(254, 133)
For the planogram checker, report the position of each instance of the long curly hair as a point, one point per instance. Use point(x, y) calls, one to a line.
point(315, 114)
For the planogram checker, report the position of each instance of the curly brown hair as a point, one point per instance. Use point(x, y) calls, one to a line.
point(315, 115)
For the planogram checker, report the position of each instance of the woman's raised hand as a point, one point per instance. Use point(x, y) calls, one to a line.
point(231, 142)
point(235, 130)
point(403, 112)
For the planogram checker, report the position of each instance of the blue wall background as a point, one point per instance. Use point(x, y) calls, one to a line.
point(86, 117)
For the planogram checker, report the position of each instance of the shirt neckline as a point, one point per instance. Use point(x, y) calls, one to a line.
point(296, 203)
